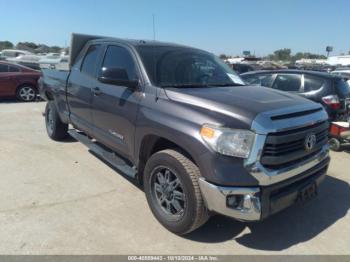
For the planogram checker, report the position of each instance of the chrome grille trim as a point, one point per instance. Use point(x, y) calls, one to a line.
point(263, 125)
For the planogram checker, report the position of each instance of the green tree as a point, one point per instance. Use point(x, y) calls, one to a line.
point(27, 45)
point(55, 49)
point(223, 56)
point(282, 54)
point(307, 55)
point(5, 45)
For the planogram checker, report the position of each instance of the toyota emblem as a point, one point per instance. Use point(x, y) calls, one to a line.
point(310, 142)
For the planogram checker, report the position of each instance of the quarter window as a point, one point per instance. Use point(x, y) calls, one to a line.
point(89, 64)
point(290, 83)
point(312, 83)
point(119, 57)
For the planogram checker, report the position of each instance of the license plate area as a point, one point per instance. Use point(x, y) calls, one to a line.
point(307, 193)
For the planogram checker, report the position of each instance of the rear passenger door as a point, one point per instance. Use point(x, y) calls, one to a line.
point(114, 107)
point(288, 83)
point(80, 83)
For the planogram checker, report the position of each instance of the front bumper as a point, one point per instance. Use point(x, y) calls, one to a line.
point(262, 201)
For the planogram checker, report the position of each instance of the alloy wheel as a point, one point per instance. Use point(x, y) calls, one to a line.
point(168, 192)
point(27, 93)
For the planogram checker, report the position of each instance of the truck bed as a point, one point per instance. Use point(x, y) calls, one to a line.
point(54, 81)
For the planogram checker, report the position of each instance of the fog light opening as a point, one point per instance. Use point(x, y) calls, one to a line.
point(234, 201)
point(243, 202)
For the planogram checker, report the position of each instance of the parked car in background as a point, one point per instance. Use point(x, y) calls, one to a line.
point(332, 91)
point(59, 63)
point(30, 61)
point(241, 68)
point(18, 81)
point(11, 53)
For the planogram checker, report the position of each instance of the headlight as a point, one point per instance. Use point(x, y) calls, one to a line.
point(227, 141)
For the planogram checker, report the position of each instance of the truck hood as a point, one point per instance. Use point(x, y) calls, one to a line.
point(241, 103)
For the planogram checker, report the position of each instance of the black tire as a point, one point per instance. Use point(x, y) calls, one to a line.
point(334, 144)
point(26, 93)
point(56, 129)
point(194, 212)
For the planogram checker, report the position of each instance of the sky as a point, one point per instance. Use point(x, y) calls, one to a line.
point(221, 26)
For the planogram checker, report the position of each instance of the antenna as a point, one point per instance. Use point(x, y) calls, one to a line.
point(154, 27)
point(154, 58)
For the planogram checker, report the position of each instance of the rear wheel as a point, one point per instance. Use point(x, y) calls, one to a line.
point(172, 191)
point(56, 129)
point(26, 93)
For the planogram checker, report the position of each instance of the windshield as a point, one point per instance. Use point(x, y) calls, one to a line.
point(171, 66)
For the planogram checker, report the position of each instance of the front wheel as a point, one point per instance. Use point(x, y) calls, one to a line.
point(56, 129)
point(172, 191)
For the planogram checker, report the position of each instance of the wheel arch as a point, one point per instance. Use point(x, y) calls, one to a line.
point(151, 144)
point(27, 84)
point(48, 95)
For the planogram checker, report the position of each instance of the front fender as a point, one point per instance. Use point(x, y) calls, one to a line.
point(181, 125)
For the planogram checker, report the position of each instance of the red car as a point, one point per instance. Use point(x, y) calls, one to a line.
point(18, 81)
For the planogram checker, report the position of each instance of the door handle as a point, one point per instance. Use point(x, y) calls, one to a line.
point(96, 91)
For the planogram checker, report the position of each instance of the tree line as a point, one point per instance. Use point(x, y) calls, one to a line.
point(285, 54)
point(31, 47)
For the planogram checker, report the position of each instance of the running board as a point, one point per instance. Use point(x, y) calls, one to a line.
point(109, 156)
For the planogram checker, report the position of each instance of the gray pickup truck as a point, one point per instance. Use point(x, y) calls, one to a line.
point(183, 124)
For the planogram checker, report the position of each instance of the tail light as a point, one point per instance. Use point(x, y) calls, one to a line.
point(332, 101)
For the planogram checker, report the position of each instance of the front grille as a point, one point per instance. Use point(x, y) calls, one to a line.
point(288, 147)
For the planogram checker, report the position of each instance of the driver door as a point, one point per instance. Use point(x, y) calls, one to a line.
point(114, 107)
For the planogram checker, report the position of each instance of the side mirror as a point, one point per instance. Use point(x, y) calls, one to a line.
point(118, 77)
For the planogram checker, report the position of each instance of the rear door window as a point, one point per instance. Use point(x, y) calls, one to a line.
point(287, 82)
point(312, 83)
point(259, 79)
point(3, 68)
point(90, 60)
point(13, 69)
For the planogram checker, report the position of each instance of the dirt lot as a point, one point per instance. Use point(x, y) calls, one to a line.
point(57, 198)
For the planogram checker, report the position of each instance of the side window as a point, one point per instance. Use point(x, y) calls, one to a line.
point(312, 83)
point(13, 69)
point(90, 60)
point(259, 79)
point(3, 68)
point(287, 82)
point(266, 80)
point(119, 58)
point(250, 79)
